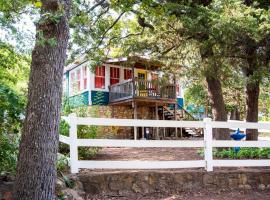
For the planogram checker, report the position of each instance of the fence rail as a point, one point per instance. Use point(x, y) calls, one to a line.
point(208, 143)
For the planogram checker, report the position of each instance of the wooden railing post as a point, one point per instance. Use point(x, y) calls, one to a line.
point(73, 143)
point(208, 146)
point(133, 87)
point(110, 93)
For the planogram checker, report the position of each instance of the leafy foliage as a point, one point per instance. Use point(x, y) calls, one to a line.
point(86, 132)
point(11, 108)
point(244, 153)
point(13, 75)
point(63, 162)
point(9, 149)
point(196, 94)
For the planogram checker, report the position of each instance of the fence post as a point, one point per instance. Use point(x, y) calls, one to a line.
point(208, 147)
point(73, 143)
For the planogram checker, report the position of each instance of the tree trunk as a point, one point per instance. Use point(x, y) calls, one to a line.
point(235, 114)
point(36, 170)
point(252, 104)
point(206, 111)
point(212, 74)
point(218, 106)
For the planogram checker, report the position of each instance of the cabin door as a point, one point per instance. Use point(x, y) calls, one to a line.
point(141, 76)
point(142, 83)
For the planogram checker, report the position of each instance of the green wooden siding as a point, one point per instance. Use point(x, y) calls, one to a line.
point(99, 98)
point(79, 100)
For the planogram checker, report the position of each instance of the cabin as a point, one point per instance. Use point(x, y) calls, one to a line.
point(129, 87)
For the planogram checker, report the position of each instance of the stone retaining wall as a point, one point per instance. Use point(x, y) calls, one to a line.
point(147, 182)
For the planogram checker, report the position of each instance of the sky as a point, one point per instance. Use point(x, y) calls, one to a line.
point(26, 27)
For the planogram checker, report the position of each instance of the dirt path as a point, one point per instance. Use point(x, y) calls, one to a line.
point(195, 195)
point(166, 154)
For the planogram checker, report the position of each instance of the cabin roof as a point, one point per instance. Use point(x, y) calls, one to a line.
point(136, 61)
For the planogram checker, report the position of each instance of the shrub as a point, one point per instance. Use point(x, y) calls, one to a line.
point(9, 149)
point(63, 162)
point(83, 132)
point(243, 153)
point(64, 130)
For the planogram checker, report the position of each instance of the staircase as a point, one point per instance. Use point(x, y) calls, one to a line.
point(181, 115)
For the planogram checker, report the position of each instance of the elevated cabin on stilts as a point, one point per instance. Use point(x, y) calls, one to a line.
point(130, 87)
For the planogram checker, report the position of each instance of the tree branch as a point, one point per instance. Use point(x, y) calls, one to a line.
point(100, 15)
point(110, 27)
point(96, 5)
point(125, 37)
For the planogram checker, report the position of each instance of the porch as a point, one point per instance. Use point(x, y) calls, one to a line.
point(153, 91)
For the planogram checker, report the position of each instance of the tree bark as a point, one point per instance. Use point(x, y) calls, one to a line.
point(218, 106)
point(235, 114)
point(36, 169)
point(252, 106)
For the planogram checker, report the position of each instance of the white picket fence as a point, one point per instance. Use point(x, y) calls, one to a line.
point(208, 143)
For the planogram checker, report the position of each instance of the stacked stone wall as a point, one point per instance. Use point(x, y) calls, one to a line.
point(147, 182)
point(119, 112)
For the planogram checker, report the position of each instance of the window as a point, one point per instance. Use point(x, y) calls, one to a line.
point(64, 85)
point(72, 83)
point(100, 77)
point(84, 77)
point(78, 79)
point(154, 76)
point(114, 75)
point(127, 74)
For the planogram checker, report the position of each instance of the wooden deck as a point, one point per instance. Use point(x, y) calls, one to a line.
point(137, 90)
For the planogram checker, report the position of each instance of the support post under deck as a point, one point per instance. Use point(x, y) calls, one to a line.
point(175, 118)
point(163, 118)
point(157, 129)
point(112, 111)
point(135, 116)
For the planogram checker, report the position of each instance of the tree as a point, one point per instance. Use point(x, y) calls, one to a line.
point(248, 44)
point(36, 170)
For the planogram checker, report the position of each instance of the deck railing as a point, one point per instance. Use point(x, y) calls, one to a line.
point(142, 88)
point(121, 91)
point(208, 143)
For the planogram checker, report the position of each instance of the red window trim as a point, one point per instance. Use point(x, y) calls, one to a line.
point(100, 77)
point(114, 75)
point(127, 74)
